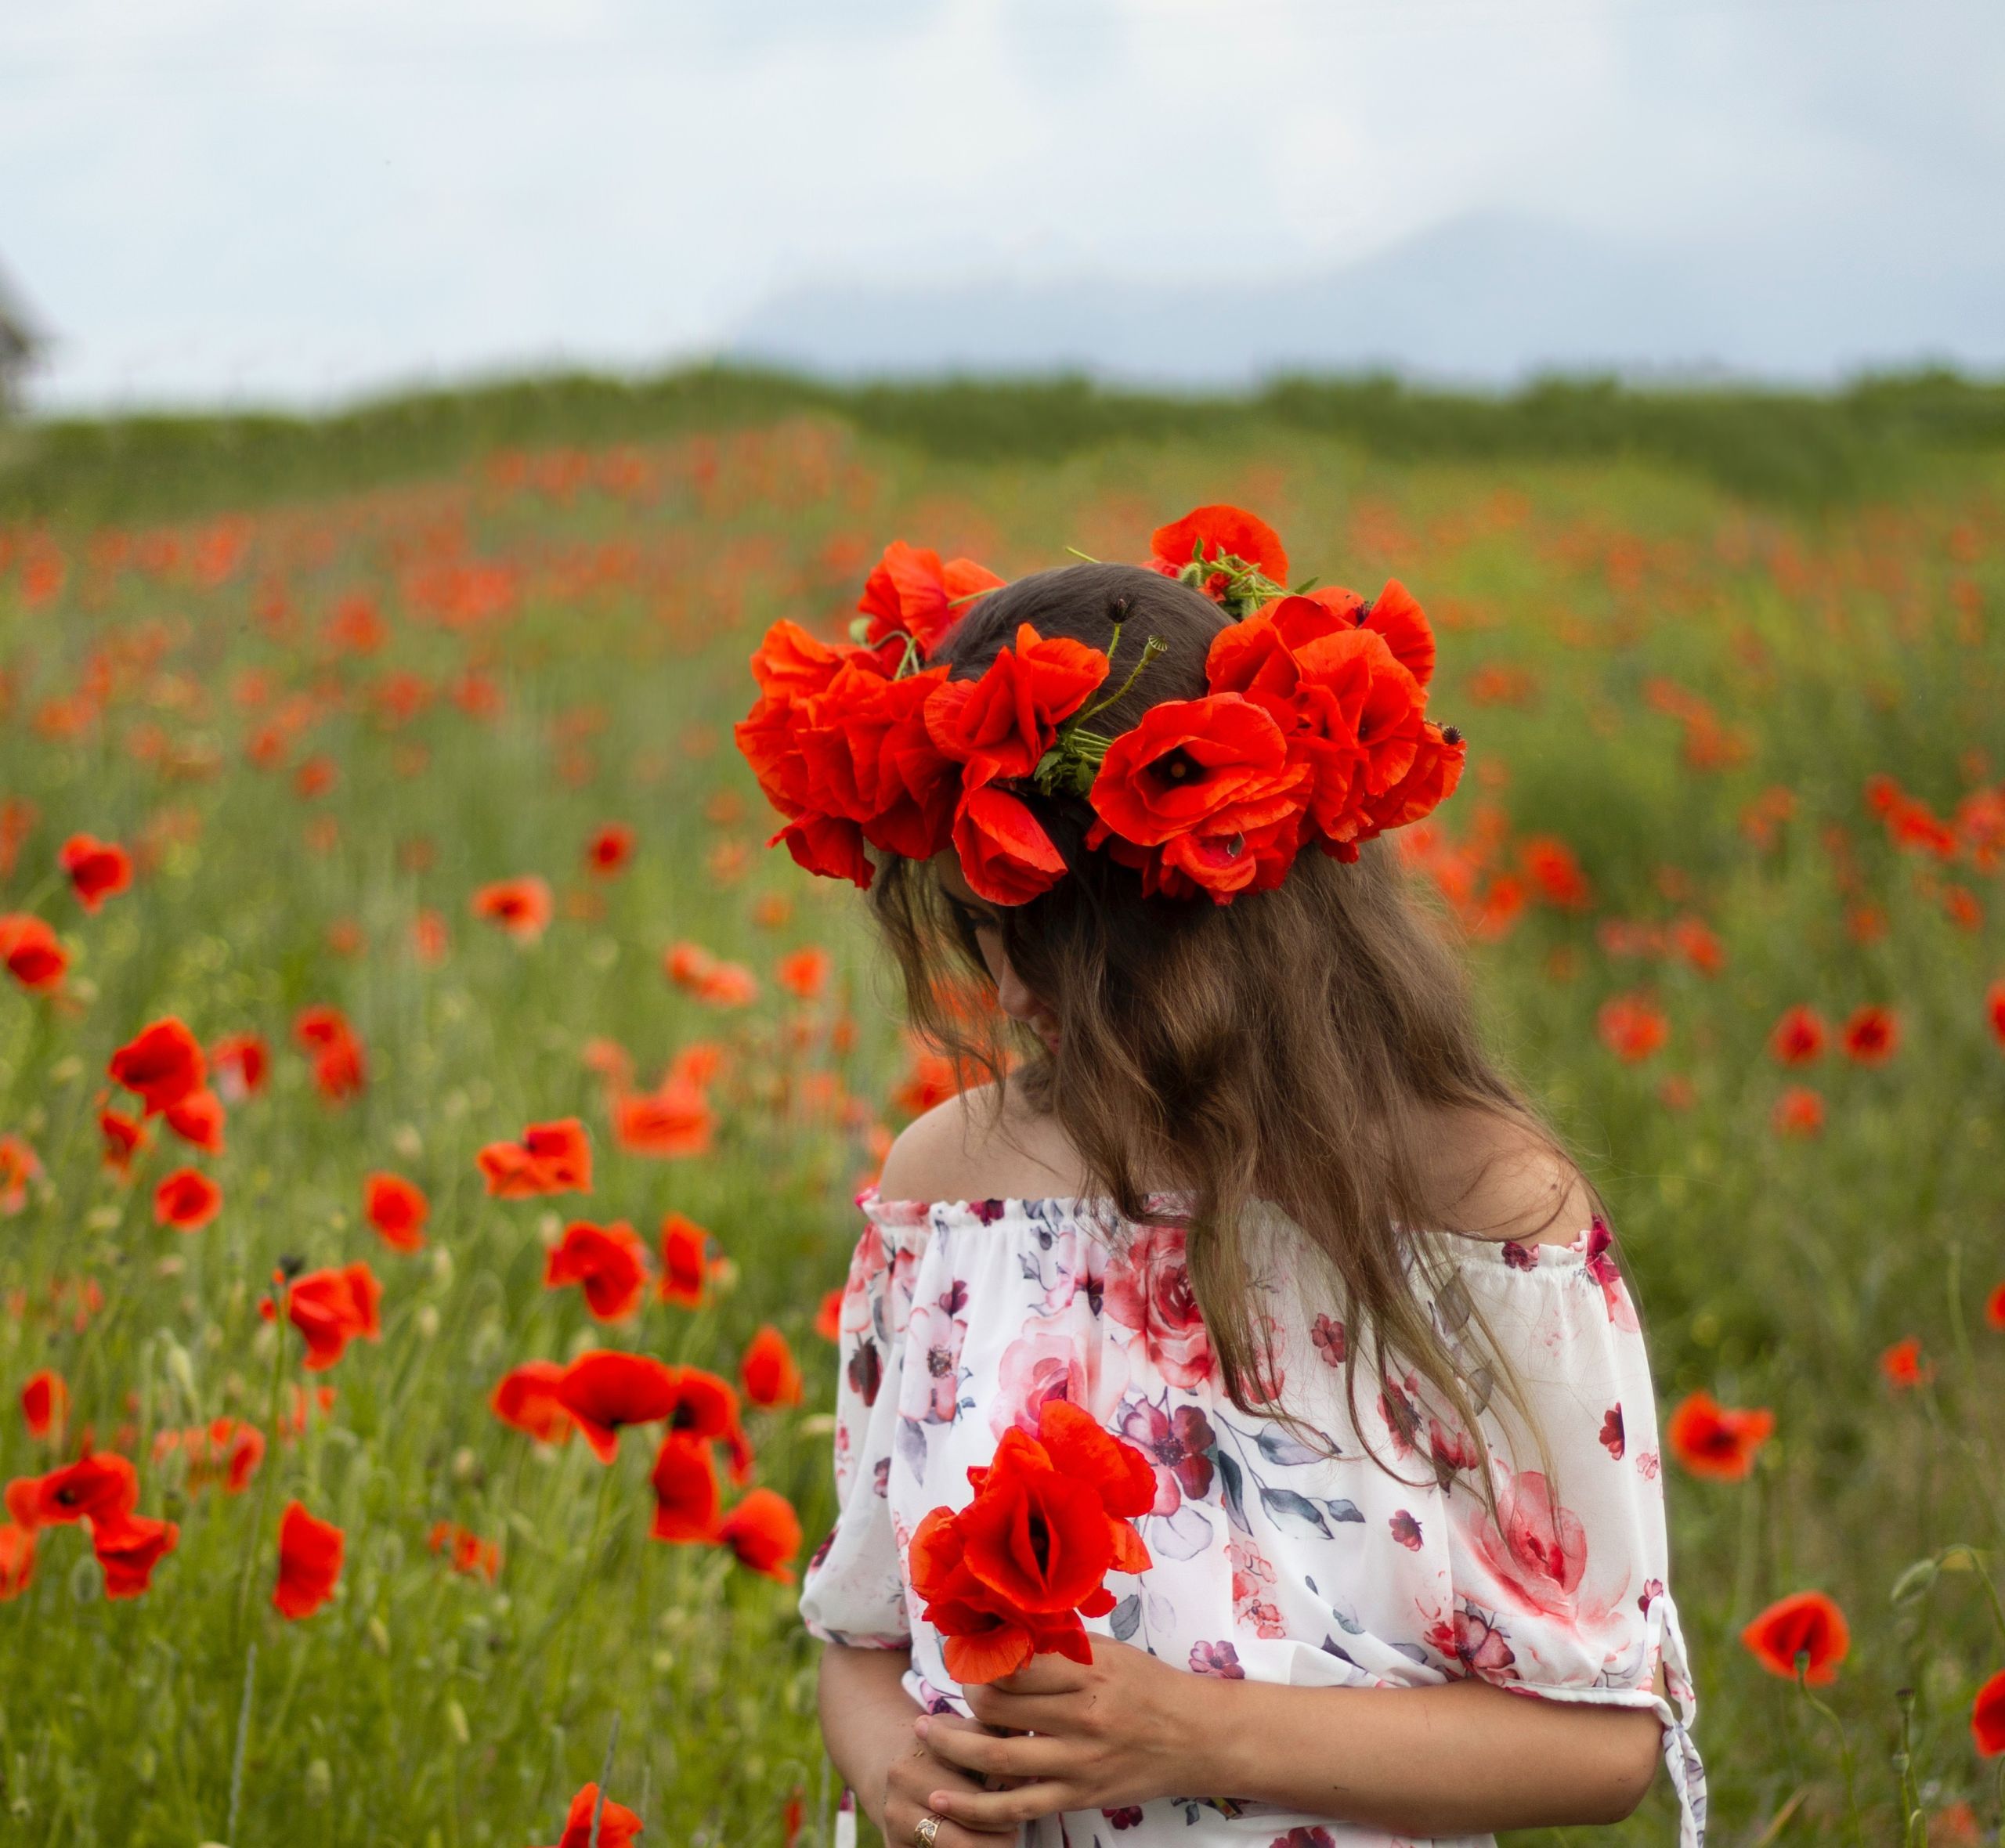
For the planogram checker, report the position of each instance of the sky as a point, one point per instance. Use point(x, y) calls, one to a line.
point(295, 201)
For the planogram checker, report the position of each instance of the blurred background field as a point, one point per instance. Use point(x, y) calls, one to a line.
point(1733, 673)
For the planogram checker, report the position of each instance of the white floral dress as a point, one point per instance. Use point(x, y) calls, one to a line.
point(960, 1318)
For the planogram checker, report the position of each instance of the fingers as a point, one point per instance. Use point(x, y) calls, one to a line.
point(999, 1812)
point(972, 1746)
point(913, 1778)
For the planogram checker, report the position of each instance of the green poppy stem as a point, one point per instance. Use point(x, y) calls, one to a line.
point(1844, 1746)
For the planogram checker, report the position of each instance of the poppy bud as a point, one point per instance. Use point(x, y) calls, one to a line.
point(289, 1267)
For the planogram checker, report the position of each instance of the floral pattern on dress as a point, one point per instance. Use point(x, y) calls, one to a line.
point(1273, 1558)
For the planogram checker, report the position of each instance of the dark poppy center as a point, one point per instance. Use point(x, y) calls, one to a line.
point(1039, 1536)
point(1178, 767)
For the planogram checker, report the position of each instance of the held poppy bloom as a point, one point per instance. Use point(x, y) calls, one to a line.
point(608, 1262)
point(398, 1209)
point(309, 1562)
point(331, 1307)
point(1987, 1717)
point(98, 869)
point(163, 1064)
point(618, 1825)
point(46, 1404)
point(1806, 1624)
point(551, 1158)
point(187, 1200)
point(1870, 1035)
point(129, 1548)
point(604, 1391)
point(769, 1371)
point(1712, 1440)
point(33, 955)
point(686, 1485)
point(526, 1397)
point(522, 907)
point(765, 1532)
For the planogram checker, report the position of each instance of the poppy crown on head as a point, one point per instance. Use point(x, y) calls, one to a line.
point(1314, 728)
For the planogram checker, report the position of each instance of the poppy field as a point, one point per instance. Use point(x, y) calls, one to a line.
point(429, 1114)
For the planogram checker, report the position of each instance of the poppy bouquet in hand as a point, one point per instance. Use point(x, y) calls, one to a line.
point(1011, 1574)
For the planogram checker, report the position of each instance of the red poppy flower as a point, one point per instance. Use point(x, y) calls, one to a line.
point(309, 1562)
point(1870, 1035)
point(609, 850)
point(1798, 1037)
point(685, 1485)
point(1632, 1026)
point(618, 1825)
point(18, 1165)
point(686, 1262)
point(768, 1370)
point(1206, 534)
point(1712, 1440)
point(1798, 1111)
point(241, 1060)
point(331, 1307)
point(467, 1552)
point(551, 1158)
point(17, 1560)
point(1987, 1717)
point(398, 1209)
point(1006, 855)
point(1903, 1366)
point(228, 1452)
point(187, 1200)
point(829, 846)
point(1010, 715)
point(164, 1064)
point(129, 1548)
point(829, 1317)
point(705, 1405)
point(522, 907)
point(1994, 1307)
point(790, 666)
point(804, 973)
point(46, 1404)
point(1994, 1008)
point(339, 1069)
point(101, 1485)
point(33, 956)
point(869, 757)
point(670, 1123)
point(764, 1532)
point(197, 1119)
point(1437, 769)
point(910, 590)
point(605, 1390)
point(609, 1262)
point(123, 1138)
point(98, 869)
point(527, 1398)
point(1806, 1623)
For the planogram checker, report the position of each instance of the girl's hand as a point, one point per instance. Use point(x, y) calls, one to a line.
point(1120, 1731)
point(912, 1780)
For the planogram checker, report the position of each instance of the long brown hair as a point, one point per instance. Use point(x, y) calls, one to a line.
point(1285, 1048)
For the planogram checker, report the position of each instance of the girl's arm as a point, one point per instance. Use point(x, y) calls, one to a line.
point(1460, 1758)
point(867, 1725)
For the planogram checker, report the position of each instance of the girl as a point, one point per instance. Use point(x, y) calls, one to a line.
point(1242, 1183)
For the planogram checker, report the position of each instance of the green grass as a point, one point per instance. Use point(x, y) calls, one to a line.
point(1855, 629)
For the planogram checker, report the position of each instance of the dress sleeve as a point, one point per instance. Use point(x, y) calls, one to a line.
point(1564, 1593)
point(853, 1588)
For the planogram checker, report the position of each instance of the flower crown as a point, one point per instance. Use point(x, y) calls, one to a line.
point(1313, 727)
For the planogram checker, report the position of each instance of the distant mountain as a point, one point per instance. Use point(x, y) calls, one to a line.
point(1485, 299)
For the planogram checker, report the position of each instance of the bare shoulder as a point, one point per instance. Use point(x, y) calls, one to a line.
point(1499, 1180)
point(975, 1146)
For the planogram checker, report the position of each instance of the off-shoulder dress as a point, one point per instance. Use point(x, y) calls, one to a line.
point(959, 1318)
